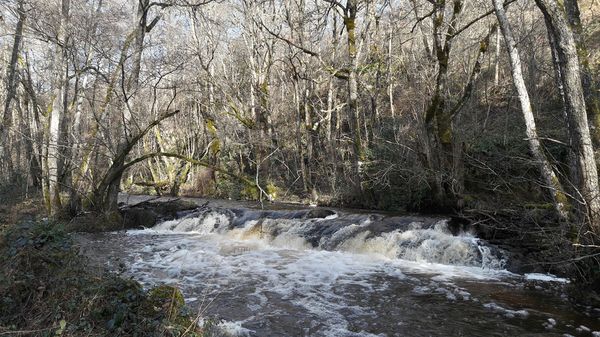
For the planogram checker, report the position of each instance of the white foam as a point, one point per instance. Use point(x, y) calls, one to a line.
point(432, 250)
point(433, 245)
point(224, 328)
point(550, 323)
point(545, 278)
point(507, 312)
point(583, 328)
point(307, 278)
point(330, 217)
point(234, 329)
point(270, 260)
point(207, 222)
point(419, 245)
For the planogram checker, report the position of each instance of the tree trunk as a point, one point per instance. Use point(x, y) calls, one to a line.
point(111, 186)
point(390, 77)
point(549, 176)
point(76, 159)
point(568, 66)
point(353, 113)
point(497, 60)
point(55, 116)
point(29, 138)
point(11, 89)
point(590, 89)
point(438, 120)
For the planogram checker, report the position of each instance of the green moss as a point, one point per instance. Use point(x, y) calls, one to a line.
point(272, 190)
point(167, 299)
point(249, 192)
point(113, 217)
point(483, 45)
point(350, 27)
point(446, 137)
point(468, 198)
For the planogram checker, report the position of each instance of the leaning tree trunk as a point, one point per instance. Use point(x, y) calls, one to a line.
point(107, 192)
point(111, 190)
point(549, 176)
point(567, 63)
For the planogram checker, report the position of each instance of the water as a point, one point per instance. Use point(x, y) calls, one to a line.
point(318, 273)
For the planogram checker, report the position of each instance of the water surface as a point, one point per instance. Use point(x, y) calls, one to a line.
point(308, 273)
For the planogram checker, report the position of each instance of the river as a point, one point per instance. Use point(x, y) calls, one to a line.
point(316, 272)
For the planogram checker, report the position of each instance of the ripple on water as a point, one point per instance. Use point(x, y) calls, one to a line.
point(272, 281)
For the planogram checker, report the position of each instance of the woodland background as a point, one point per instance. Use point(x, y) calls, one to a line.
point(416, 105)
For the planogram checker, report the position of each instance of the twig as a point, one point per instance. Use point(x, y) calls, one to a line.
point(585, 246)
point(20, 332)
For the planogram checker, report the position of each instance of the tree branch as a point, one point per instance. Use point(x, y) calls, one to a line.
point(472, 22)
point(483, 47)
point(288, 41)
point(191, 161)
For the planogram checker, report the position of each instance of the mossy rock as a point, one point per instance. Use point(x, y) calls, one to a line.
point(319, 213)
point(139, 218)
point(167, 299)
point(96, 222)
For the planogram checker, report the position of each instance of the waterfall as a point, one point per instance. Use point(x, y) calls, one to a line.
point(409, 238)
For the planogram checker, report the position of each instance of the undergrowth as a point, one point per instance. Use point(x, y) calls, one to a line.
point(46, 289)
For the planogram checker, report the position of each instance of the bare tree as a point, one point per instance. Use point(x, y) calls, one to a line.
point(11, 86)
point(52, 195)
point(549, 176)
point(585, 172)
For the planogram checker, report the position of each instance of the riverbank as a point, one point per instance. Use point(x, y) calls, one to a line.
point(48, 289)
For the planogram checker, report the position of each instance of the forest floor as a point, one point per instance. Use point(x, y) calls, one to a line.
point(48, 289)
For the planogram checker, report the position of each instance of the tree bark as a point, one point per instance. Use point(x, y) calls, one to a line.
point(390, 77)
point(125, 142)
point(11, 88)
point(548, 175)
point(438, 121)
point(590, 89)
point(567, 63)
point(353, 112)
point(107, 191)
point(57, 109)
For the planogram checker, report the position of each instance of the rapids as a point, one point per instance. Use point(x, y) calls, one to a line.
point(317, 272)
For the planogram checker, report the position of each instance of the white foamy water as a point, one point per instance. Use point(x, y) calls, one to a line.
point(338, 275)
point(316, 283)
point(206, 223)
point(545, 278)
point(413, 242)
